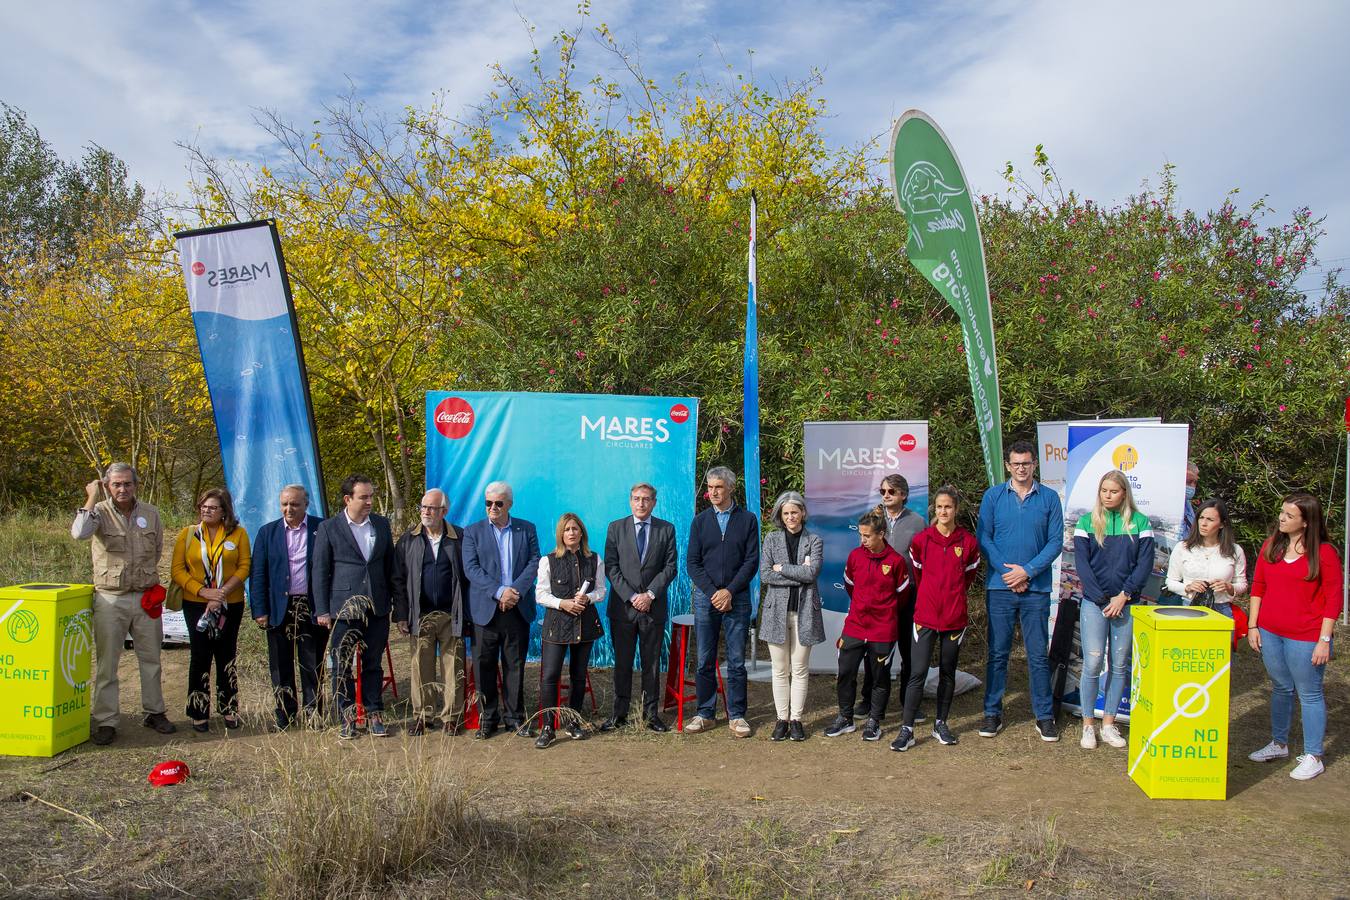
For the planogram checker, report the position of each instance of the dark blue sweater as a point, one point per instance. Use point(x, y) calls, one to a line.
point(715, 561)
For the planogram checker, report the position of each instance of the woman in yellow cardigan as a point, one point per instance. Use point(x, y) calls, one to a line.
point(210, 564)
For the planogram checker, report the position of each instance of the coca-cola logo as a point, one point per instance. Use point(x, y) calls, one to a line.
point(907, 442)
point(679, 414)
point(199, 268)
point(453, 417)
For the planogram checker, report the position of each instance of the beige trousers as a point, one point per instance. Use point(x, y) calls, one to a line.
point(434, 697)
point(791, 669)
point(114, 616)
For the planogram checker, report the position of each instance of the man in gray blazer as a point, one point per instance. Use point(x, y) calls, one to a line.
point(501, 561)
point(640, 562)
point(353, 584)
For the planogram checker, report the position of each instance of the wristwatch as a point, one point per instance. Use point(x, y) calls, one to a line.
point(1325, 637)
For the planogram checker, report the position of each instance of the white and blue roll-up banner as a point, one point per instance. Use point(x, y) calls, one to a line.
point(845, 462)
point(255, 371)
point(1152, 456)
point(560, 453)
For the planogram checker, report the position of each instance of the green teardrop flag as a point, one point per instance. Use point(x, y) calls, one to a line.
point(944, 244)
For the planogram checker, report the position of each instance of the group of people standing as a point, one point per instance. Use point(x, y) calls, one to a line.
point(329, 590)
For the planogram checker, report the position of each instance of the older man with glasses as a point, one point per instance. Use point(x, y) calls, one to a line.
point(501, 559)
point(429, 592)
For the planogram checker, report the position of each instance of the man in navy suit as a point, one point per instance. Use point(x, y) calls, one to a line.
point(279, 600)
point(501, 560)
point(641, 563)
point(353, 586)
point(723, 556)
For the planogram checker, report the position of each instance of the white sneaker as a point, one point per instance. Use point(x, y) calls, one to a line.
point(1269, 752)
point(1308, 767)
point(697, 724)
point(740, 728)
point(1089, 739)
point(1111, 734)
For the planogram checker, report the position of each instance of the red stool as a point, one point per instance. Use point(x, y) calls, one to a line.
point(677, 685)
point(388, 683)
point(564, 685)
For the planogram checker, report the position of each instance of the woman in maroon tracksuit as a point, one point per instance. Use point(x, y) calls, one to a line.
point(877, 581)
point(944, 559)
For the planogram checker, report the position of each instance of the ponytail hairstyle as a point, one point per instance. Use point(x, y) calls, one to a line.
point(947, 490)
point(1116, 477)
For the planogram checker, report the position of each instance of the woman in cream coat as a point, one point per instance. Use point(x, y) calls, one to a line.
point(790, 619)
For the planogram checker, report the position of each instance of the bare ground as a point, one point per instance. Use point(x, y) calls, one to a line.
point(637, 814)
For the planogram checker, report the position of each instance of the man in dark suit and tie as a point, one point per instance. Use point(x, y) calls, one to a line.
point(353, 584)
point(641, 563)
point(501, 560)
point(280, 601)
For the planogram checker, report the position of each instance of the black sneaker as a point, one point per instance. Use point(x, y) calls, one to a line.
point(839, 726)
point(347, 731)
point(545, 738)
point(872, 730)
point(780, 730)
point(795, 730)
point(575, 731)
point(919, 717)
point(904, 740)
point(991, 726)
point(104, 734)
point(1048, 730)
point(944, 734)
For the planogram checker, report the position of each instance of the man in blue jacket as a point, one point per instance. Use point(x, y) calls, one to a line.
point(1021, 532)
point(501, 561)
point(279, 601)
point(723, 557)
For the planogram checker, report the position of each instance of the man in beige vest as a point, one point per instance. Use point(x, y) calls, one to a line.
point(127, 538)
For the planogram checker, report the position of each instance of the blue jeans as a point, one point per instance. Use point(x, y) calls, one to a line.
point(709, 623)
point(1032, 610)
point(1289, 664)
point(1097, 633)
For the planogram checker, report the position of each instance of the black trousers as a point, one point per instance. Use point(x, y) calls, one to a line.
point(550, 673)
point(901, 649)
point(630, 631)
point(920, 653)
point(875, 657)
point(204, 652)
point(296, 638)
point(369, 638)
point(507, 636)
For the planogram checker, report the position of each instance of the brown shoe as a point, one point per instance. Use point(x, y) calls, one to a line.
point(417, 728)
point(103, 735)
point(160, 723)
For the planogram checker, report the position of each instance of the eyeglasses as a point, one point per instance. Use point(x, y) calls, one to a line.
point(492, 504)
point(431, 509)
point(209, 508)
point(1021, 465)
point(889, 491)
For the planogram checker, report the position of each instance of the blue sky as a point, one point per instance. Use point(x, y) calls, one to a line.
point(1235, 94)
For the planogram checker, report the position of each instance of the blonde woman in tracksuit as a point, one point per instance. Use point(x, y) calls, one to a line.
point(1113, 555)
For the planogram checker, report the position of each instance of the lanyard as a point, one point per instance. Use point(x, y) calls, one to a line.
point(212, 567)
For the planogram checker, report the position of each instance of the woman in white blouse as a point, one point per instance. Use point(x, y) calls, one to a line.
point(571, 580)
point(1209, 560)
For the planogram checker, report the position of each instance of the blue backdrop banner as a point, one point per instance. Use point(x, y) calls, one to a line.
point(245, 321)
point(566, 453)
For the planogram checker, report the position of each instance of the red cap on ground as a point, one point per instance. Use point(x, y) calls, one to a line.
point(171, 771)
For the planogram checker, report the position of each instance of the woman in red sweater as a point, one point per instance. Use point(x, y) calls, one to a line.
point(945, 559)
point(876, 578)
point(1296, 596)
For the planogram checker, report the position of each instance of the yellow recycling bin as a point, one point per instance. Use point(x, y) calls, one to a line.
point(1179, 702)
point(46, 632)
